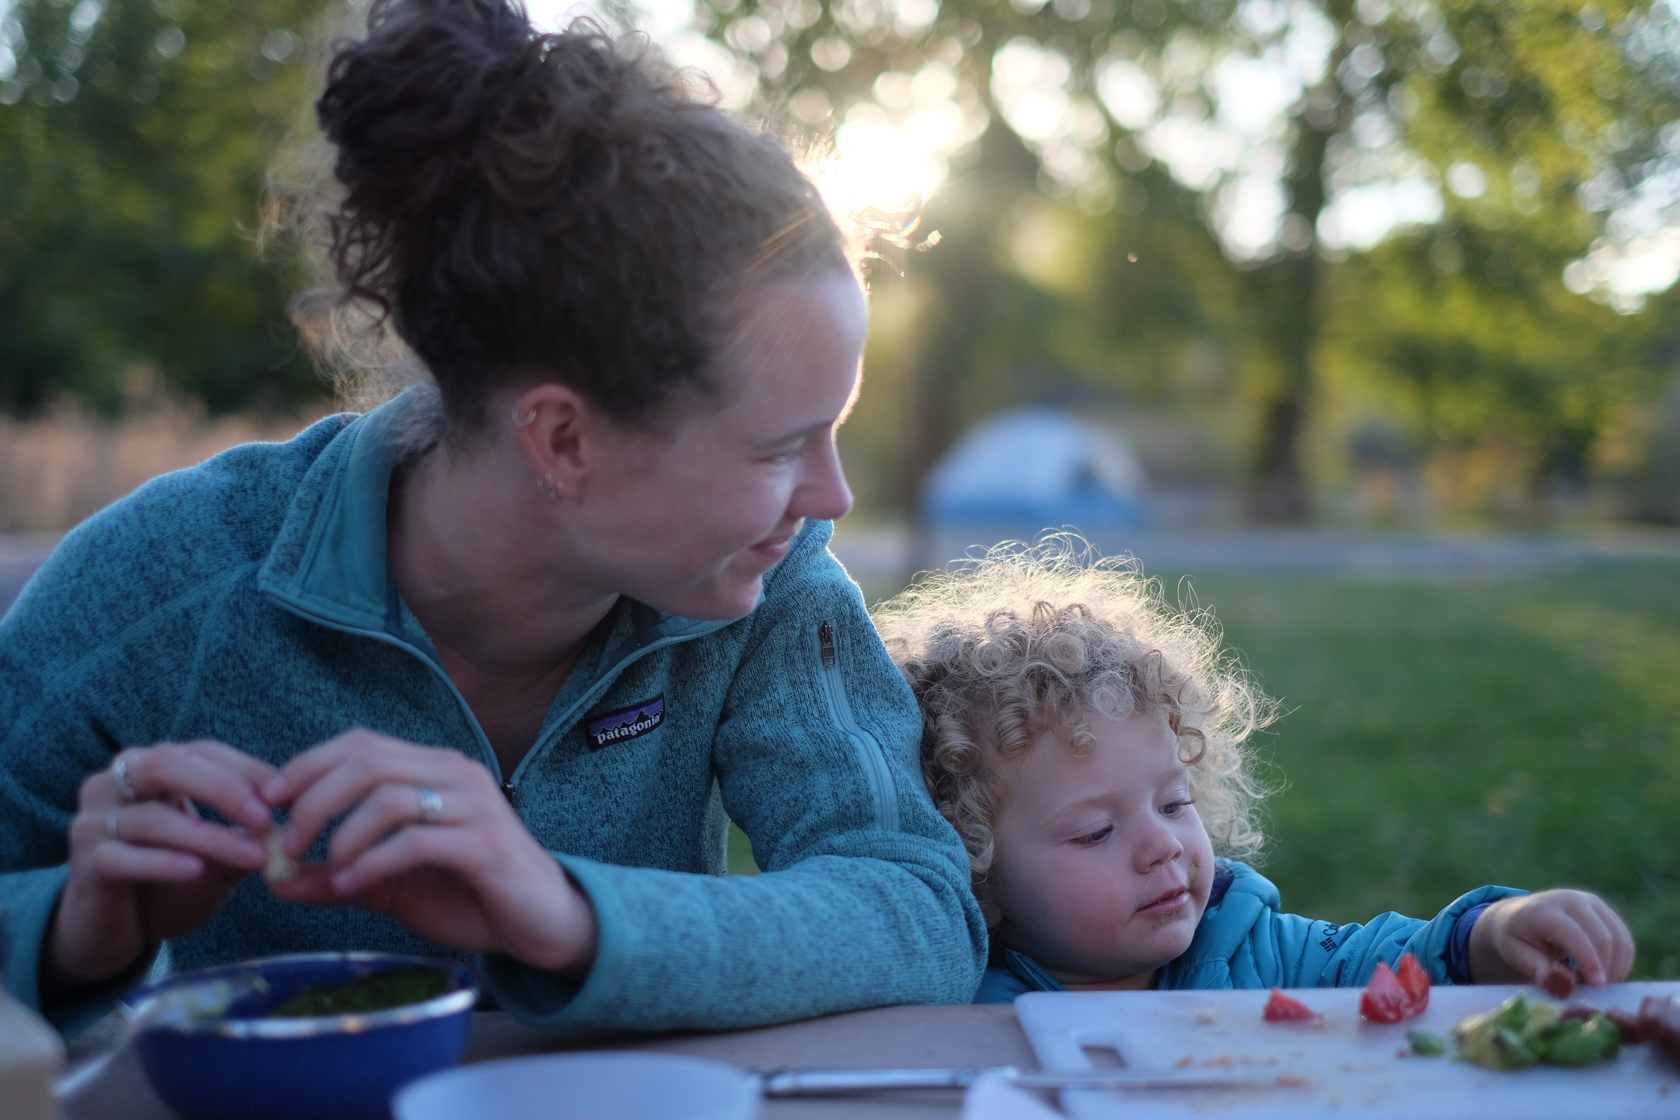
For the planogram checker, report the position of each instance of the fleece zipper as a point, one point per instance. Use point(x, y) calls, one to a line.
point(487, 753)
point(870, 756)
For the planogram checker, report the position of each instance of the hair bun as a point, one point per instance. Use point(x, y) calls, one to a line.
point(407, 103)
point(555, 205)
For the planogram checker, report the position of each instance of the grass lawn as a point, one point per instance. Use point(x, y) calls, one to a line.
point(1452, 729)
point(1516, 727)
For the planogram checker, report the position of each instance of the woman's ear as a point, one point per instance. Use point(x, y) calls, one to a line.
point(557, 430)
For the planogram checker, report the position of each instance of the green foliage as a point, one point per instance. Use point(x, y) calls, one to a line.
point(1471, 322)
point(134, 140)
point(1562, 113)
point(1506, 727)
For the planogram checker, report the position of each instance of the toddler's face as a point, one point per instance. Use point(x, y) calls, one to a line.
point(1102, 866)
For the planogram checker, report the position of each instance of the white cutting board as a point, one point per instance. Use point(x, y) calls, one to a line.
point(1352, 1068)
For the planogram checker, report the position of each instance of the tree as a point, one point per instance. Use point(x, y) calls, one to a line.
point(134, 141)
point(1273, 116)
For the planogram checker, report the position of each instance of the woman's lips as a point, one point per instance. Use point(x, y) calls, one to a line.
point(774, 548)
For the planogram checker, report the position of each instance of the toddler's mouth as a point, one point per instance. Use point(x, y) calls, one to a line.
point(1168, 902)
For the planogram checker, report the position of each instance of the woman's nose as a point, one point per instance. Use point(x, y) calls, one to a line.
point(823, 494)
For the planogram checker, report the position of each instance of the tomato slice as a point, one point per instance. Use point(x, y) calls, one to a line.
point(1384, 1001)
point(1415, 980)
point(1389, 998)
point(1282, 1009)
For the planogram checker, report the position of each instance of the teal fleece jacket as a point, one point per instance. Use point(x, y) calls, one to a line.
point(248, 600)
point(1245, 941)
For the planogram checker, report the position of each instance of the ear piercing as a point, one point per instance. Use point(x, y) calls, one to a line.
point(547, 484)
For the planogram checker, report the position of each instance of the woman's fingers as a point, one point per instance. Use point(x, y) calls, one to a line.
point(360, 764)
point(308, 768)
point(192, 770)
point(153, 824)
point(116, 860)
point(388, 808)
point(409, 850)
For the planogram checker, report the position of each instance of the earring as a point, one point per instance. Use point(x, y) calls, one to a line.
point(550, 488)
point(528, 421)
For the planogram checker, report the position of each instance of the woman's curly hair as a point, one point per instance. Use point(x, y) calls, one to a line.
point(1030, 638)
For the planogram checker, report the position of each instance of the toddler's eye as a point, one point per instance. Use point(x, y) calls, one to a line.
point(1096, 837)
point(1176, 808)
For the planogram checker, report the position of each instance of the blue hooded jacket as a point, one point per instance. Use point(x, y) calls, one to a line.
point(1244, 941)
point(249, 600)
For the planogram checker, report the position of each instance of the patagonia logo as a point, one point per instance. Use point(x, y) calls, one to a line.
point(627, 723)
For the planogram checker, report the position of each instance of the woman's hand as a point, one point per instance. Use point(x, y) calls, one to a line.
point(143, 865)
point(1525, 940)
point(429, 841)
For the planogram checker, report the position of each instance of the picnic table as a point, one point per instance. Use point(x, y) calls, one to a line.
point(882, 1037)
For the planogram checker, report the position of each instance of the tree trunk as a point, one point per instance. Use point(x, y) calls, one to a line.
point(1287, 292)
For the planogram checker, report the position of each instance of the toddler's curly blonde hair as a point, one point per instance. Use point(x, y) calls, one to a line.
point(1030, 638)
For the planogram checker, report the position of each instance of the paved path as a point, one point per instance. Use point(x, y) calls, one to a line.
point(888, 555)
point(879, 557)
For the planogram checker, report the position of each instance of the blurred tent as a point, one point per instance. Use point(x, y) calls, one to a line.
point(1039, 466)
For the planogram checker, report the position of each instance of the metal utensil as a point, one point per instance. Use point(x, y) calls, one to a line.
point(839, 1082)
point(193, 1001)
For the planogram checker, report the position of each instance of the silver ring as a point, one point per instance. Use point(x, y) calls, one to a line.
point(111, 821)
point(119, 771)
point(431, 804)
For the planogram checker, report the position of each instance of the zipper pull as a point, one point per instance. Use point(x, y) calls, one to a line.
point(511, 794)
point(825, 635)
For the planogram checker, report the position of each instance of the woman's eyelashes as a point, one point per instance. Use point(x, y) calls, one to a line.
point(783, 455)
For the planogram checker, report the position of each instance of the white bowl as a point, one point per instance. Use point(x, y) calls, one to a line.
point(615, 1085)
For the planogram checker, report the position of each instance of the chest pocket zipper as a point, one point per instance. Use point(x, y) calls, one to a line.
point(870, 756)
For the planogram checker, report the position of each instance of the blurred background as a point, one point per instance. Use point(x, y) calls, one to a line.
point(1353, 321)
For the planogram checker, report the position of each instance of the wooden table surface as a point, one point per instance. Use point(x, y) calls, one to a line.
point(883, 1037)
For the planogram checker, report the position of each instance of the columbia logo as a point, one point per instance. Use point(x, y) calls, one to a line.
point(627, 723)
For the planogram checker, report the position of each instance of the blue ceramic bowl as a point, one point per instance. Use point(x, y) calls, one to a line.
point(337, 1067)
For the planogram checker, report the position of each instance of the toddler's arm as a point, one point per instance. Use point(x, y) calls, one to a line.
point(1524, 941)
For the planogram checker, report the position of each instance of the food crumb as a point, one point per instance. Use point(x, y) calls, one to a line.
point(1184, 1061)
point(1222, 1060)
point(1402, 1053)
point(280, 868)
point(1293, 1081)
point(1662, 1090)
point(1207, 1015)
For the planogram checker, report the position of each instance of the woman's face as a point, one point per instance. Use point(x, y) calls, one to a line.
point(688, 520)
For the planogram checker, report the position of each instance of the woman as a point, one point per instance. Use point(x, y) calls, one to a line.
point(504, 654)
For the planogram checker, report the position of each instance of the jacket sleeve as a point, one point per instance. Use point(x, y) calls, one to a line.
point(864, 897)
point(1304, 953)
point(65, 686)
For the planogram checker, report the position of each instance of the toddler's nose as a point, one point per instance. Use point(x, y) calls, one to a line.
point(1156, 845)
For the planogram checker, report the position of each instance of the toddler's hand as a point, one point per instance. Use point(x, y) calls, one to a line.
point(1525, 940)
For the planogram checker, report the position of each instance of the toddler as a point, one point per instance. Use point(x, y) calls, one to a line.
point(1090, 744)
